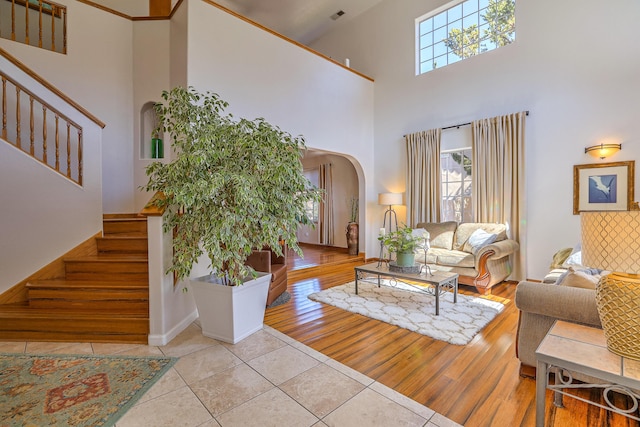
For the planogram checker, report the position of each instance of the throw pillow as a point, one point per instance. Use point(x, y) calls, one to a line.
point(575, 259)
point(586, 278)
point(560, 257)
point(479, 239)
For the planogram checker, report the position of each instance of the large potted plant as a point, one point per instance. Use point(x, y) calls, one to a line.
point(404, 242)
point(233, 186)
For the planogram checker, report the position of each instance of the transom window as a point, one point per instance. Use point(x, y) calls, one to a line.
point(460, 30)
point(456, 185)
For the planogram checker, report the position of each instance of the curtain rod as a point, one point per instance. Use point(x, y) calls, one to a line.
point(463, 124)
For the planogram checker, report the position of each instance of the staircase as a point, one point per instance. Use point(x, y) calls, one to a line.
point(101, 298)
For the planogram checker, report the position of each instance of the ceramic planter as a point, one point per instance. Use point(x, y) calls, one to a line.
point(230, 313)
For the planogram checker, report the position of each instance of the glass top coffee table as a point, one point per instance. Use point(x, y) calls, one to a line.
point(437, 281)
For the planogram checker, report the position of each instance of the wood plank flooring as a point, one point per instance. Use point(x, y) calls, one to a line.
point(474, 385)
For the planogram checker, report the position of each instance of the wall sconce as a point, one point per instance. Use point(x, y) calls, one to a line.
point(603, 150)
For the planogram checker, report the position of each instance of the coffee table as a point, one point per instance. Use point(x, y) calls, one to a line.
point(437, 281)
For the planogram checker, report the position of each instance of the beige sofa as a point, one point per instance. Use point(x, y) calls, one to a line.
point(455, 248)
point(573, 299)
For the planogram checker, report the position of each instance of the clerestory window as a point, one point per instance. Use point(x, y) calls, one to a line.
point(463, 29)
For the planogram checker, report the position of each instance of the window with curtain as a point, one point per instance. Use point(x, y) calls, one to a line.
point(456, 167)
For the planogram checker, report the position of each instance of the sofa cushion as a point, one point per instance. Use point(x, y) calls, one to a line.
point(579, 279)
point(479, 239)
point(575, 258)
point(450, 258)
point(440, 233)
point(465, 230)
point(559, 258)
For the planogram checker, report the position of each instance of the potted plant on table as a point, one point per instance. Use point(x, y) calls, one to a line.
point(403, 242)
point(233, 186)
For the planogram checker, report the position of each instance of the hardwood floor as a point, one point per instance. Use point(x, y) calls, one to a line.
point(474, 385)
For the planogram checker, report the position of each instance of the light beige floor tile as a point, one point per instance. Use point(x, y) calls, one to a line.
point(50, 347)
point(13, 347)
point(371, 408)
point(351, 373)
point(321, 389)
point(271, 409)
point(403, 400)
point(441, 421)
point(233, 387)
point(171, 381)
point(311, 352)
point(211, 423)
point(204, 363)
point(276, 333)
point(180, 408)
point(188, 341)
point(320, 424)
point(129, 349)
point(282, 364)
point(255, 345)
point(59, 348)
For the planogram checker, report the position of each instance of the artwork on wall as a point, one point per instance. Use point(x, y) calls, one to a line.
point(603, 186)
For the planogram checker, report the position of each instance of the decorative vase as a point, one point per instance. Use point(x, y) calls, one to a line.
point(352, 238)
point(157, 148)
point(618, 303)
point(230, 313)
point(405, 259)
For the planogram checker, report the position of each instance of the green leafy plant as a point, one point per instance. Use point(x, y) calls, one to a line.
point(234, 185)
point(354, 206)
point(403, 240)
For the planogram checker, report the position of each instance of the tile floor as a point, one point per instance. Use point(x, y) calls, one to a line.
point(268, 379)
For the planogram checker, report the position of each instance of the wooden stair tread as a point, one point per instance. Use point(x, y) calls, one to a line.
point(12, 311)
point(85, 284)
point(109, 257)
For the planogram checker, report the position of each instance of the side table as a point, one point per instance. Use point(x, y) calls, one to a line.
point(577, 348)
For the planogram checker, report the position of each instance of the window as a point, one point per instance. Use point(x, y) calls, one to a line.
point(456, 185)
point(463, 30)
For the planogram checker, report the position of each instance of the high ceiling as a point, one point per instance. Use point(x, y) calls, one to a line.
point(301, 20)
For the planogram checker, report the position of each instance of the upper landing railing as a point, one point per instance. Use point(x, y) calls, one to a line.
point(40, 23)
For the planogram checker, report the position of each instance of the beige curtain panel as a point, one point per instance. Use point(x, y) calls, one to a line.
point(326, 206)
point(423, 176)
point(499, 178)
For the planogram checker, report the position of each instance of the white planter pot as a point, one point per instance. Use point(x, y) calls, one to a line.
point(230, 313)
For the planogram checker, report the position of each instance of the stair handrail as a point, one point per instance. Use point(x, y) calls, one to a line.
point(63, 150)
point(41, 7)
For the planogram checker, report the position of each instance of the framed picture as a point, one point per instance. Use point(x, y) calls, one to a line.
point(603, 186)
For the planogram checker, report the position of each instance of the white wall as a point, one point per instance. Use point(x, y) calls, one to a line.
point(574, 66)
point(43, 214)
point(96, 72)
point(151, 61)
point(260, 75)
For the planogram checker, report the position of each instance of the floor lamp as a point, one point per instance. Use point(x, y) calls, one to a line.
point(388, 199)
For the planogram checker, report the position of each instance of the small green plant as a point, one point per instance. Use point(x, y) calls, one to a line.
point(403, 240)
point(353, 209)
point(233, 185)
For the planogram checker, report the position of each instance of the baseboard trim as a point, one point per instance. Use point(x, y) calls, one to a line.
point(164, 339)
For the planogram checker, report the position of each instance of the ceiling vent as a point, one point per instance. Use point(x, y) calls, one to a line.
point(337, 15)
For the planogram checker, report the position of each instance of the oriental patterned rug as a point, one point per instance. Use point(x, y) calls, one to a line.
point(73, 390)
point(407, 308)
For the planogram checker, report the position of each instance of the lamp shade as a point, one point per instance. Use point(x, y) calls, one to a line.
point(602, 151)
point(390, 198)
point(611, 240)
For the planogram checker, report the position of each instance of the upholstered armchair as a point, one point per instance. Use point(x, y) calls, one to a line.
point(267, 261)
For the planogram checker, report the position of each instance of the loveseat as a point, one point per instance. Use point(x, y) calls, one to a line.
point(566, 293)
point(267, 261)
point(478, 252)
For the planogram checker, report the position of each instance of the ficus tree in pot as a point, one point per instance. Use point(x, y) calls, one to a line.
point(234, 185)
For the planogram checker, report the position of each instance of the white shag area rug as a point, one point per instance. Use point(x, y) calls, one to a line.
point(404, 306)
